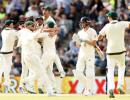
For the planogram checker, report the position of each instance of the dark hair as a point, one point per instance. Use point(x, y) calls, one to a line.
point(47, 8)
point(21, 22)
point(114, 18)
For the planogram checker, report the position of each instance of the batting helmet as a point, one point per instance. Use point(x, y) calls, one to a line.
point(84, 20)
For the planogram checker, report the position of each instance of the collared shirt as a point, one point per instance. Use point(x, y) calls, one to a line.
point(48, 20)
point(8, 39)
point(48, 42)
point(115, 32)
point(89, 35)
point(28, 42)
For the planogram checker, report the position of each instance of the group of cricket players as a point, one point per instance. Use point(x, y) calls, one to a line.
point(38, 52)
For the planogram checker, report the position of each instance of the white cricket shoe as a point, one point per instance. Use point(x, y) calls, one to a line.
point(29, 88)
point(62, 74)
point(86, 92)
point(22, 90)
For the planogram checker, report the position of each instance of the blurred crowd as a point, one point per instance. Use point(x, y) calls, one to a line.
point(67, 14)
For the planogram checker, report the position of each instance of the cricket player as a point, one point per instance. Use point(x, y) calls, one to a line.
point(32, 60)
point(47, 18)
point(25, 69)
point(50, 56)
point(114, 32)
point(86, 56)
point(9, 35)
point(39, 22)
point(47, 15)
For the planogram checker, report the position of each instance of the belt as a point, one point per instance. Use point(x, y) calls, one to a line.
point(6, 52)
point(116, 53)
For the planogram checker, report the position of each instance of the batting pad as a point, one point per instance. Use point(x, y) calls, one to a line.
point(81, 77)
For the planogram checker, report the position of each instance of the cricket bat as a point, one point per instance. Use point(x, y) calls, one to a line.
point(100, 53)
point(76, 38)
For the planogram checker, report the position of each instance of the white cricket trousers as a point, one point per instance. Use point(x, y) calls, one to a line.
point(33, 61)
point(86, 62)
point(25, 69)
point(112, 61)
point(6, 63)
point(48, 59)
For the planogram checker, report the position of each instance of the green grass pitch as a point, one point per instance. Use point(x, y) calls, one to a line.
point(60, 97)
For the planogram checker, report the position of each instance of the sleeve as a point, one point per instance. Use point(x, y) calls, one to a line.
point(103, 31)
point(16, 34)
point(79, 33)
point(38, 34)
point(94, 35)
point(125, 24)
point(19, 40)
point(19, 43)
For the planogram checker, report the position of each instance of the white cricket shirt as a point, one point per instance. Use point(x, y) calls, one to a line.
point(115, 32)
point(8, 39)
point(85, 48)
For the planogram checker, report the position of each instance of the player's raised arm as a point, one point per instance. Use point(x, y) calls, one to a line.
point(50, 29)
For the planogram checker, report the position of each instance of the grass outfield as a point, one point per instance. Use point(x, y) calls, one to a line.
point(60, 97)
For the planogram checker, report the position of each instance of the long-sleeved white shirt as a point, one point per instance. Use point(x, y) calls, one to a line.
point(28, 42)
point(48, 42)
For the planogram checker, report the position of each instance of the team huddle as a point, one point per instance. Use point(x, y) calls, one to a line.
point(33, 56)
point(38, 52)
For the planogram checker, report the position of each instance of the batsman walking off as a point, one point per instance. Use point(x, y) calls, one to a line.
point(86, 57)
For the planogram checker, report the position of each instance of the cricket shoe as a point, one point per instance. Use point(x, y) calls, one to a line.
point(56, 91)
point(50, 91)
point(86, 92)
point(6, 88)
point(121, 91)
point(22, 90)
point(29, 88)
point(111, 94)
point(40, 91)
point(62, 74)
point(51, 94)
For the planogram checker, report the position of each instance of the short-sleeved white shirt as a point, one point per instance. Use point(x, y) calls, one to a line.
point(8, 39)
point(49, 19)
point(114, 32)
point(90, 34)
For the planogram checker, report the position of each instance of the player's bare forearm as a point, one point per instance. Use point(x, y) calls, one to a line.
point(55, 29)
point(51, 34)
point(47, 30)
point(100, 37)
point(91, 42)
point(78, 45)
point(100, 53)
